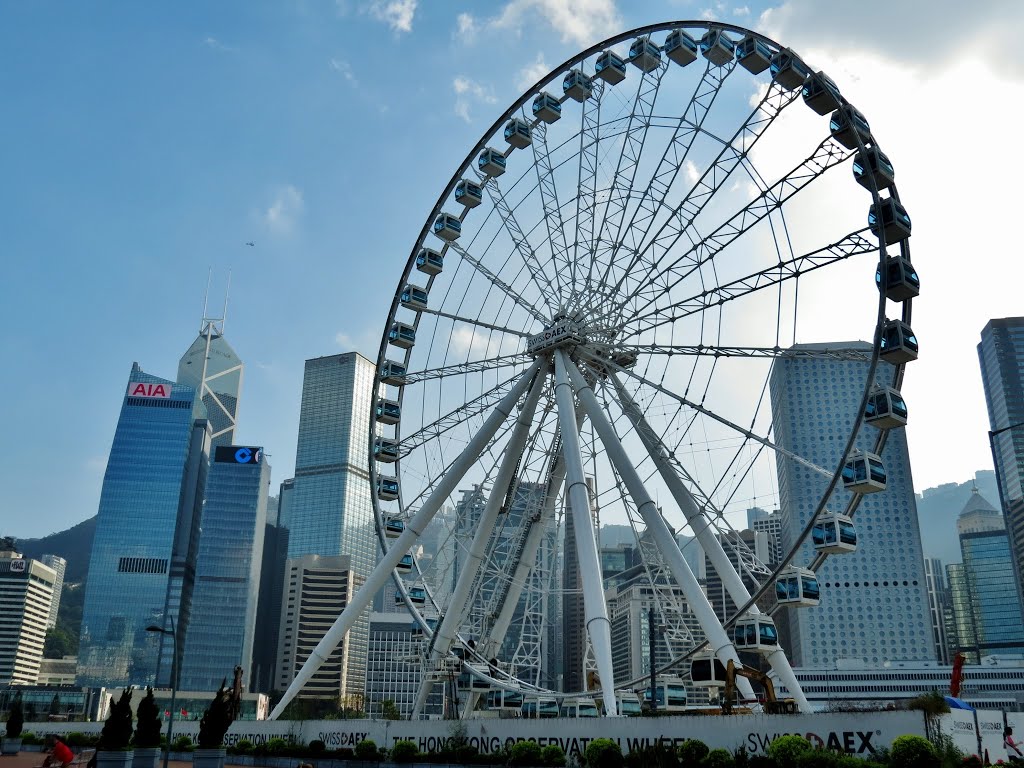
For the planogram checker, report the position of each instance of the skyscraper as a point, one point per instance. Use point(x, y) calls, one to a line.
point(268, 614)
point(228, 566)
point(771, 524)
point(142, 566)
point(939, 607)
point(874, 602)
point(995, 607)
point(331, 512)
point(59, 565)
point(211, 367)
point(1001, 353)
point(26, 595)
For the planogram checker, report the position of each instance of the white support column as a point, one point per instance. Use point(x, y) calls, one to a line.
point(662, 535)
point(595, 608)
point(455, 612)
point(705, 535)
point(413, 529)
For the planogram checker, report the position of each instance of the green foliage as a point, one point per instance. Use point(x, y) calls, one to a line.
point(367, 750)
point(59, 643)
point(971, 761)
point(216, 719)
point(820, 758)
point(603, 753)
point(718, 758)
point(30, 739)
point(148, 724)
point(15, 718)
point(949, 754)
point(243, 747)
point(912, 752)
point(404, 751)
point(761, 761)
point(786, 750)
point(692, 751)
point(183, 744)
point(79, 739)
point(389, 710)
point(931, 703)
point(117, 731)
point(275, 746)
point(316, 747)
point(525, 753)
point(652, 756)
point(553, 755)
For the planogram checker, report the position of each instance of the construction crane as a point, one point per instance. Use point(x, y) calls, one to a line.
point(772, 705)
point(957, 677)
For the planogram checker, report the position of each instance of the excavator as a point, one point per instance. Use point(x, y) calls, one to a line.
point(772, 704)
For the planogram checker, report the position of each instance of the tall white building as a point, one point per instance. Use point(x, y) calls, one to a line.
point(26, 596)
point(874, 602)
point(59, 565)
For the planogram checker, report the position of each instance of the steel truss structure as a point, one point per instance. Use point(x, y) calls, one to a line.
point(585, 331)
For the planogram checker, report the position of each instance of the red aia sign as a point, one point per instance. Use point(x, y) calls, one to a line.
point(144, 389)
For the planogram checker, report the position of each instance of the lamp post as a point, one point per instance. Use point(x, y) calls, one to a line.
point(174, 679)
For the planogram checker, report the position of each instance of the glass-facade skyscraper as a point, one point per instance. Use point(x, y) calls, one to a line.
point(228, 567)
point(141, 570)
point(211, 367)
point(1001, 353)
point(874, 602)
point(330, 508)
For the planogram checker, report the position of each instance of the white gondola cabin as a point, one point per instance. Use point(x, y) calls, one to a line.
point(680, 47)
point(404, 565)
point(469, 193)
point(628, 704)
point(847, 124)
point(518, 133)
point(886, 409)
point(392, 373)
point(393, 527)
point(788, 70)
point(872, 169)
point(547, 108)
point(834, 534)
point(717, 48)
point(505, 701)
point(385, 450)
point(891, 219)
point(610, 67)
point(417, 595)
point(402, 335)
point(585, 707)
point(901, 280)
point(577, 86)
point(821, 94)
point(387, 488)
point(491, 162)
point(542, 707)
point(864, 473)
point(429, 261)
point(413, 297)
point(476, 682)
point(707, 670)
point(797, 587)
point(753, 54)
point(899, 344)
point(388, 411)
point(644, 55)
point(447, 227)
point(755, 632)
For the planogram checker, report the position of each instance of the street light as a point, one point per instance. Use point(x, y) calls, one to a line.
point(174, 678)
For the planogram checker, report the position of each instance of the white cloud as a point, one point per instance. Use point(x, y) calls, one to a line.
point(581, 22)
point(345, 69)
point(216, 45)
point(531, 73)
point(690, 169)
point(283, 213)
point(466, 27)
point(397, 14)
point(468, 91)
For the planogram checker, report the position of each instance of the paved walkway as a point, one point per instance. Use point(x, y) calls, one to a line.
point(33, 759)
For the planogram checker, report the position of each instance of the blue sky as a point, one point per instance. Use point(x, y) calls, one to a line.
point(145, 143)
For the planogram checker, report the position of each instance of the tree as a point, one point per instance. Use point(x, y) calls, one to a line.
point(117, 731)
point(216, 720)
point(15, 718)
point(389, 710)
point(148, 725)
point(55, 704)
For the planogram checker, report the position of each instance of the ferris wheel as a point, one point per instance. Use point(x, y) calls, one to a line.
point(585, 332)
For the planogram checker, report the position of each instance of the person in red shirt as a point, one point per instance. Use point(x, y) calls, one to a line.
point(59, 753)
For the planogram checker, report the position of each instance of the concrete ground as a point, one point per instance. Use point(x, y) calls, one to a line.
point(35, 759)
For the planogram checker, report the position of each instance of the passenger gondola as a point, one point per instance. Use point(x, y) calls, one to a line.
point(680, 47)
point(429, 261)
point(797, 587)
point(447, 227)
point(717, 47)
point(847, 124)
point(547, 108)
point(706, 670)
point(899, 344)
point(413, 297)
point(644, 55)
point(755, 632)
point(404, 565)
point(821, 94)
point(387, 488)
point(753, 54)
point(385, 450)
point(891, 219)
point(388, 411)
point(393, 527)
point(788, 70)
point(864, 473)
point(402, 335)
point(392, 373)
point(610, 68)
point(577, 86)
point(468, 193)
point(901, 280)
point(886, 409)
point(491, 162)
point(872, 169)
point(834, 534)
point(518, 133)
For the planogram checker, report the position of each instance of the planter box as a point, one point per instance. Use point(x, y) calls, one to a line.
point(10, 746)
point(115, 759)
point(208, 758)
point(146, 757)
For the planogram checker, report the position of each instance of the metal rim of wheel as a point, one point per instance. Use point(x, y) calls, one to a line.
point(652, 232)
